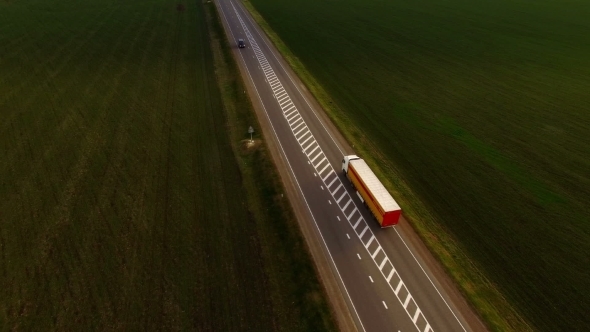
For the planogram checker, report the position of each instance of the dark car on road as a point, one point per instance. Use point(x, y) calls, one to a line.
point(241, 43)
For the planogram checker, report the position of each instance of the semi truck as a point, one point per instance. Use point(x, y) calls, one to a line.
point(371, 191)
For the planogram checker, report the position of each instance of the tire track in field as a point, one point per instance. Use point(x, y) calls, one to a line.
point(166, 154)
point(198, 190)
point(113, 148)
point(138, 206)
point(105, 196)
point(137, 203)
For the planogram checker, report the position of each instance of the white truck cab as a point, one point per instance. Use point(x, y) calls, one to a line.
point(345, 161)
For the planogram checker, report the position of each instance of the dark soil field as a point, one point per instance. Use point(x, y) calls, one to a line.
point(476, 114)
point(125, 202)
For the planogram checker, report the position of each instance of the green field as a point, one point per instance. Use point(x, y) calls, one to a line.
point(477, 116)
point(125, 202)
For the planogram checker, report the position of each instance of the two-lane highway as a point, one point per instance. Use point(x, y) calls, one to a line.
point(387, 287)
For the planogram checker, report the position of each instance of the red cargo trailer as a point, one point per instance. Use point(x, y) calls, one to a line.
point(371, 191)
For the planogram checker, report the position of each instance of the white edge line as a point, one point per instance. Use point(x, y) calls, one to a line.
point(432, 283)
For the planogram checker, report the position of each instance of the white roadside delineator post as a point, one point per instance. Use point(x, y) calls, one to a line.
point(250, 131)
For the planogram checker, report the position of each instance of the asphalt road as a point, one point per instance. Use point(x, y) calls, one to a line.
point(387, 284)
